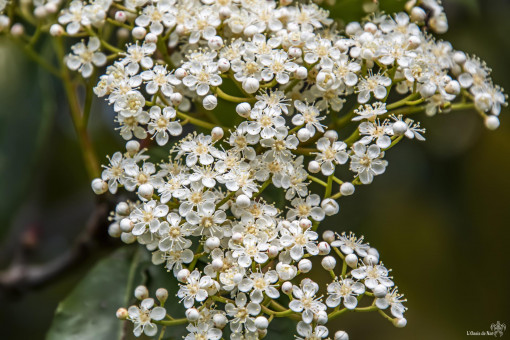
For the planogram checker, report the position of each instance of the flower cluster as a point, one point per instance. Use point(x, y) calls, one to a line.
point(309, 99)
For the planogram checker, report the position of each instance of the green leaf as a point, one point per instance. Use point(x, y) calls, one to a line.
point(89, 311)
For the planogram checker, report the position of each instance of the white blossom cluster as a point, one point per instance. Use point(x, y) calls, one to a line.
point(309, 99)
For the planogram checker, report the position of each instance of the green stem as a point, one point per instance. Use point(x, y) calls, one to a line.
point(317, 180)
point(263, 187)
point(329, 186)
point(229, 97)
point(174, 322)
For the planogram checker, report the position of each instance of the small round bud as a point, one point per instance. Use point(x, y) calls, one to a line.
point(219, 320)
point(217, 133)
point(251, 85)
point(250, 30)
point(123, 33)
point(51, 8)
point(351, 260)
point(328, 236)
point(180, 29)
point(380, 291)
point(418, 14)
point(56, 30)
point(314, 167)
point(238, 277)
point(352, 28)
point(212, 243)
point(459, 57)
point(341, 335)
point(370, 27)
point(400, 322)
point(272, 251)
point(301, 72)
point(439, 24)
point(122, 313)
point(328, 263)
point(332, 135)
point(330, 207)
point(399, 128)
point(141, 292)
point(151, 38)
point(215, 43)
point(99, 186)
point(146, 190)
point(322, 317)
point(303, 135)
point(261, 322)
point(243, 109)
point(492, 122)
point(324, 248)
point(127, 238)
point(347, 189)
point(17, 29)
point(305, 223)
point(114, 230)
point(414, 41)
point(122, 208)
point(295, 52)
point(243, 201)
point(180, 73)
point(139, 33)
point(126, 225)
point(305, 265)
point(223, 65)
point(192, 314)
point(217, 264)
point(132, 147)
point(372, 251)
point(453, 87)
point(120, 16)
point(287, 287)
point(370, 259)
point(210, 102)
point(176, 98)
point(237, 237)
point(225, 13)
point(5, 21)
point(161, 294)
point(183, 275)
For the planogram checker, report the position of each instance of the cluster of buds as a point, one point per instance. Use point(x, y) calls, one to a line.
point(280, 100)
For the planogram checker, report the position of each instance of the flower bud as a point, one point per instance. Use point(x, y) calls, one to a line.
point(17, 29)
point(305, 265)
point(180, 73)
point(56, 30)
point(322, 317)
point(295, 52)
point(51, 8)
point(210, 102)
point(328, 263)
point(217, 133)
point(122, 313)
point(127, 238)
point(126, 225)
point(132, 147)
point(225, 13)
point(414, 41)
point(183, 275)
point(223, 65)
point(151, 38)
point(351, 260)
point(261, 322)
point(399, 128)
point(212, 243)
point(372, 251)
point(215, 43)
point(491, 122)
point(243, 201)
point(192, 314)
point(122, 208)
point(123, 33)
point(370, 27)
point(453, 87)
point(99, 186)
point(237, 237)
point(303, 135)
point(146, 191)
point(114, 230)
point(287, 287)
point(347, 189)
point(243, 109)
point(305, 223)
point(176, 98)
point(251, 85)
point(219, 320)
point(217, 264)
point(330, 207)
point(439, 24)
point(328, 236)
point(139, 32)
point(120, 16)
point(352, 28)
point(314, 167)
point(162, 294)
point(341, 335)
point(141, 292)
point(380, 291)
point(459, 57)
point(418, 14)
point(301, 72)
point(332, 135)
point(250, 30)
point(238, 277)
point(370, 259)
point(324, 248)
point(400, 322)
point(5, 21)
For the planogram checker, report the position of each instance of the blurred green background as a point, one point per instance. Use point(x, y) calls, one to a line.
point(439, 215)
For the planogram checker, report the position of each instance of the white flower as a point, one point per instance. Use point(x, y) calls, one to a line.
point(373, 274)
point(173, 234)
point(331, 153)
point(201, 77)
point(138, 55)
point(350, 244)
point(194, 289)
point(297, 239)
point(309, 116)
point(202, 331)
point(159, 78)
point(259, 283)
point(277, 64)
point(251, 248)
point(310, 333)
point(305, 301)
point(149, 216)
point(114, 173)
point(394, 300)
point(157, 17)
point(370, 111)
point(130, 104)
point(143, 316)
point(304, 208)
point(366, 162)
point(372, 83)
point(345, 289)
point(198, 149)
point(376, 130)
point(85, 56)
point(73, 17)
point(162, 124)
point(207, 220)
point(242, 314)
